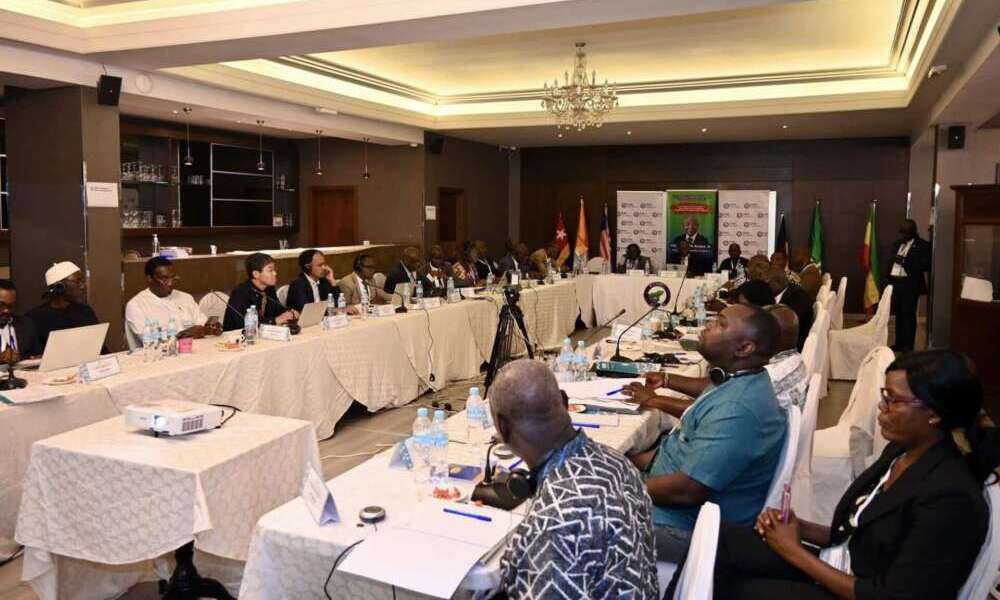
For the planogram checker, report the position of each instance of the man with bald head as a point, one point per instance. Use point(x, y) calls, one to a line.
point(729, 441)
point(794, 297)
point(788, 374)
point(587, 533)
point(409, 270)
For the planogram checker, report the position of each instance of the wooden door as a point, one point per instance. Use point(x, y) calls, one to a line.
point(335, 216)
point(451, 217)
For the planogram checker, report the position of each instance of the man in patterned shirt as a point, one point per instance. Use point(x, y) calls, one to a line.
point(587, 532)
point(786, 369)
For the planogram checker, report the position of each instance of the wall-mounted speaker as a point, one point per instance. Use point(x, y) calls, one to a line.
point(956, 137)
point(109, 88)
point(434, 142)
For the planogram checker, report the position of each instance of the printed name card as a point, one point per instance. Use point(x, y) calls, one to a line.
point(635, 273)
point(468, 292)
point(277, 333)
point(384, 310)
point(431, 302)
point(632, 335)
point(100, 368)
point(455, 296)
point(318, 498)
point(337, 321)
point(402, 455)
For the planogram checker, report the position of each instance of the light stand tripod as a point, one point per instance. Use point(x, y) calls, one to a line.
point(510, 317)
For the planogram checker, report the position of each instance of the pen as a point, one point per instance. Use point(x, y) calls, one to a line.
point(591, 425)
point(452, 511)
point(516, 463)
point(618, 391)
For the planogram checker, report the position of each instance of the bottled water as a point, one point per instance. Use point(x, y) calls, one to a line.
point(331, 311)
point(439, 453)
point(422, 445)
point(563, 367)
point(699, 306)
point(149, 338)
point(171, 335)
point(341, 305)
point(647, 335)
point(156, 245)
point(489, 280)
point(477, 418)
point(419, 294)
point(450, 289)
point(250, 323)
point(405, 295)
point(580, 362)
point(365, 306)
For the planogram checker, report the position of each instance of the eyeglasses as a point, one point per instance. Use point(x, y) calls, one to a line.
point(890, 401)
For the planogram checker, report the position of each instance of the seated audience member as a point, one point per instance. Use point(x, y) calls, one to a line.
point(736, 264)
point(18, 335)
point(779, 259)
point(757, 267)
point(728, 444)
point(359, 287)
point(410, 269)
point(587, 530)
point(635, 260)
point(257, 291)
point(315, 282)
point(160, 301)
point(755, 292)
point(64, 304)
point(805, 272)
point(438, 269)
point(910, 526)
point(516, 260)
point(788, 374)
point(794, 297)
point(484, 265)
point(541, 258)
point(465, 271)
point(696, 265)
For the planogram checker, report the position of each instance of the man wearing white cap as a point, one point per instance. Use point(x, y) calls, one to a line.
point(64, 304)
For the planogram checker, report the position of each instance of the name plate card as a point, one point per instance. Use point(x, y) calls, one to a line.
point(468, 292)
point(635, 273)
point(336, 321)
point(277, 333)
point(318, 498)
point(403, 454)
point(100, 368)
point(455, 296)
point(632, 335)
point(383, 310)
point(431, 303)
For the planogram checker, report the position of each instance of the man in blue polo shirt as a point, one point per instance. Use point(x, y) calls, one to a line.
point(729, 441)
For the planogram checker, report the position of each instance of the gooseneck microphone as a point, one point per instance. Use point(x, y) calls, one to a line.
point(617, 357)
point(493, 490)
point(606, 324)
point(671, 333)
point(226, 302)
point(293, 323)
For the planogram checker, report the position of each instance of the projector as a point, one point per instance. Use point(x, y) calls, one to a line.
point(173, 417)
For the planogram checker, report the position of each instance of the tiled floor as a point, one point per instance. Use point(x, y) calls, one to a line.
point(361, 434)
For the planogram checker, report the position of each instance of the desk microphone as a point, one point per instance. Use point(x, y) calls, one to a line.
point(671, 333)
point(618, 343)
point(402, 301)
point(493, 490)
point(606, 324)
point(293, 323)
point(226, 302)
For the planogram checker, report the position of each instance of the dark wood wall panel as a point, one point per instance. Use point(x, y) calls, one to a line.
point(845, 174)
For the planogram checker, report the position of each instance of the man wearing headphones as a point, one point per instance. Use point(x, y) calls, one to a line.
point(587, 531)
point(314, 283)
point(359, 285)
point(729, 441)
point(64, 304)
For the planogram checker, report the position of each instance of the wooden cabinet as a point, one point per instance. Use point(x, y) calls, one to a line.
point(975, 321)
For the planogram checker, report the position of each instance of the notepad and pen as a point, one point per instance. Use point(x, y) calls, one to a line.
point(605, 395)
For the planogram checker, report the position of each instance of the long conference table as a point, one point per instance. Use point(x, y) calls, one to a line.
point(378, 362)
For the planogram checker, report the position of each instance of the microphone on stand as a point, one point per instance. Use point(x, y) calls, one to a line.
point(226, 302)
point(293, 323)
point(618, 344)
point(671, 333)
point(607, 323)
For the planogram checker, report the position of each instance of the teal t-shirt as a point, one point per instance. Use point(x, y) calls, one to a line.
point(729, 440)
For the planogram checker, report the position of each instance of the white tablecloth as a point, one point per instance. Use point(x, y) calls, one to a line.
point(615, 292)
point(109, 495)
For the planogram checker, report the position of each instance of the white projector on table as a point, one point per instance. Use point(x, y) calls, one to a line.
point(173, 417)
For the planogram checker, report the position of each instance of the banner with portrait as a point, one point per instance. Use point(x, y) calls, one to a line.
point(640, 221)
point(747, 217)
point(692, 219)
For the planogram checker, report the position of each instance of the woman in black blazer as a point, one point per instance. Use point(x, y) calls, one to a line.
point(909, 527)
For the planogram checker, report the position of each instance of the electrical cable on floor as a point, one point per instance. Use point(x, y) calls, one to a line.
point(18, 552)
point(381, 448)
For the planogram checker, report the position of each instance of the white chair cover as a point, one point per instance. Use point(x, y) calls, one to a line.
point(133, 340)
point(823, 294)
point(822, 329)
point(837, 314)
point(786, 466)
point(827, 279)
point(214, 306)
point(283, 294)
point(810, 354)
point(841, 452)
point(849, 346)
point(595, 265)
point(696, 578)
point(983, 577)
point(379, 279)
point(802, 474)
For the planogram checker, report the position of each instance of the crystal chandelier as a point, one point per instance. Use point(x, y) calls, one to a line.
point(579, 103)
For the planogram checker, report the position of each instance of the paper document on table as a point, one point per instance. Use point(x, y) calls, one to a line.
point(598, 388)
point(432, 548)
point(594, 419)
point(29, 395)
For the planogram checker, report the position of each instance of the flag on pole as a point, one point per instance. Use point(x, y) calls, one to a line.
point(605, 236)
point(869, 263)
point(562, 241)
point(582, 249)
point(816, 237)
point(781, 244)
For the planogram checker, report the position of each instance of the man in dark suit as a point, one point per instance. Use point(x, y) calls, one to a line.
point(735, 263)
point(409, 270)
point(484, 264)
point(315, 281)
point(257, 291)
point(696, 265)
point(696, 241)
point(18, 334)
point(910, 259)
point(634, 260)
point(794, 297)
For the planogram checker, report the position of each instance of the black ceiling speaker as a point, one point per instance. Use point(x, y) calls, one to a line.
point(109, 88)
point(956, 137)
point(434, 143)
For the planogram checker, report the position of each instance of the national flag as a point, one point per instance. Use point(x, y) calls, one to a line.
point(582, 249)
point(870, 265)
point(562, 241)
point(605, 236)
point(816, 237)
point(781, 244)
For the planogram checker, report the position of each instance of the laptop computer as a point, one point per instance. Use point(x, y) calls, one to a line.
point(312, 314)
point(70, 347)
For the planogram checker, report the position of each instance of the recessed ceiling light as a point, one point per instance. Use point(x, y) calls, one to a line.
point(784, 126)
point(513, 148)
point(558, 135)
point(704, 129)
point(629, 132)
point(413, 144)
point(176, 112)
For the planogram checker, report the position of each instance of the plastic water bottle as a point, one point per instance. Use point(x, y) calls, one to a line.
point(647, 335)
point(580, 362)
point(564, 363)
point(489, 280)
point(422, 445)
point(699, 306)
point(439, 454)
point(250, 325)
point(171, 333)
point(341, 305)
point(156, 245)
point(148, 342)
point(365, 306)
point(331, 311)
point(450, 289)
point(419, 294)
point(405, 295)
point(476, 417)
